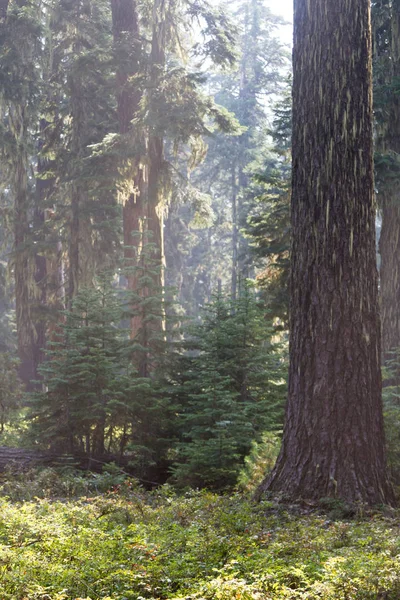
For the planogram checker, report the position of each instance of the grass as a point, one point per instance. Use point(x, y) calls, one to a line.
point(129, 544)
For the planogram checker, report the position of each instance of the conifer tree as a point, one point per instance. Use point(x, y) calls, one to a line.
point(268, 222)
point(211, 230)
point(20, 47)
point(85, 377)
point(333, 442)
point(231, 389)
point(386, 25)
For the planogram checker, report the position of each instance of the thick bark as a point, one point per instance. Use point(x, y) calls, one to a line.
point(18, 121)
point(333, 443)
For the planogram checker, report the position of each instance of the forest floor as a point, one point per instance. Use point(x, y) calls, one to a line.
point(125, 543)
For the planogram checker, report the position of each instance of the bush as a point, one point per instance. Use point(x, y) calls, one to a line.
point(259, 462)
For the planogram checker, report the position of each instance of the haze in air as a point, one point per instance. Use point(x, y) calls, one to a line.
point(199, 335)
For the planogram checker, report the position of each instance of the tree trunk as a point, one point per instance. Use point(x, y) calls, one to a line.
point(235, 235)
point(44, 185)
point(333, 442)
point(156, 152)
point(81, 256)
point(40, 305)
point(21, 267)
point(17, 120)
point(389, 248)
point(128, 52)
point(389, 245)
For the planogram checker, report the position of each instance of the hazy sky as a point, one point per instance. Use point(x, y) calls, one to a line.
point(283, 8)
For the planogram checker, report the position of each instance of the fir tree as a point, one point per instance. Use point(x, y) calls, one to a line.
point(81, 376)
point(231, 389)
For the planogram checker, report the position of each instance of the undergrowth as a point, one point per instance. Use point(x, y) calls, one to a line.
point(129, 544)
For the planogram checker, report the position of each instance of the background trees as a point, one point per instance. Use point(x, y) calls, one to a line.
point(146, 171)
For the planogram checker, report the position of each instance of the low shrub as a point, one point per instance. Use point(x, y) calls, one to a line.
point(129, 544)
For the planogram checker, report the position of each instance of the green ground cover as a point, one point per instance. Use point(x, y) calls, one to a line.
point(129, 544)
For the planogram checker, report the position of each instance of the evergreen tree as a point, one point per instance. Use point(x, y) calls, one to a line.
point(81, 377)
point(333, 443)
point(268, 224)
point(20, 41)
point(209, 233)
point(386, 23)
point(230, 387)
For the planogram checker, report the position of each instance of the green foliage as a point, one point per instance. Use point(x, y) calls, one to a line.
point(205, 253)
point(86, 377)
point(391, 407)
point(259, 462)
point(103, 391)
point(229, 389)
point(268, 220)
point(130, 545)
point(10, 388)
point(63, 482)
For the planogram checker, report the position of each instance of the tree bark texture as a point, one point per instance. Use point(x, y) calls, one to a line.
point(333, 444)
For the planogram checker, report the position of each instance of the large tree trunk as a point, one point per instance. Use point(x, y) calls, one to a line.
point(128, 52)
point(18, 121)
point(81, 256)
point(333, 442)
point(156, 152)
point(44, 186)
point(25, 331)
point(17, 118)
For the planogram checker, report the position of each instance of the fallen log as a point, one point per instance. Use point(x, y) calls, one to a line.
point(25, 458)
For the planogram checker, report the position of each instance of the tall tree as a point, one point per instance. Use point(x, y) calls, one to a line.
point(129, 55)
point(386, 28)
point(333, 443)
point(20, 40)
point(222, 250)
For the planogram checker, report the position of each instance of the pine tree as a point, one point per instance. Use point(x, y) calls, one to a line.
point(333, 443)
point(230, 391)
point(20, 51)
point(386, 24)
point(81, 376)
point(268, 222)
point(210, 234)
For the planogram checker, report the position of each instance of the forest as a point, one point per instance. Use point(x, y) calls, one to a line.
point(199, 300)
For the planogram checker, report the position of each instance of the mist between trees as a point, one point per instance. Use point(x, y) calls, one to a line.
point(147, 237)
